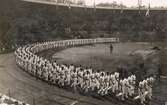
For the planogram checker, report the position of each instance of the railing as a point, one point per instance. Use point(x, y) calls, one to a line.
point(90, 7)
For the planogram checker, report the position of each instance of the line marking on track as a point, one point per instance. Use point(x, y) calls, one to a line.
point(74, 102)
point(164, 77)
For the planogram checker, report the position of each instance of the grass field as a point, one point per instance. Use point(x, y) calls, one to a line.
point(99, 56)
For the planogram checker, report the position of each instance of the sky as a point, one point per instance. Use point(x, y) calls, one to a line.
point(129, 3)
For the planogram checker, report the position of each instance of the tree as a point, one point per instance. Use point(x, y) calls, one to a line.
point(5, 38)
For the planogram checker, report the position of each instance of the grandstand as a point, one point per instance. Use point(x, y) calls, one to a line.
point(92, 7)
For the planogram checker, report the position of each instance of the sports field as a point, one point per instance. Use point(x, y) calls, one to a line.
point(99, 56)
point(26, 88)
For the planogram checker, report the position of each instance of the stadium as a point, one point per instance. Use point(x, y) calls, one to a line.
point(72, 54)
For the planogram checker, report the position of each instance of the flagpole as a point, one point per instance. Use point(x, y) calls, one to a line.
point(149, 3)
point(94, 5)
point(148, 10)
point(121, 6)
point(139, 5)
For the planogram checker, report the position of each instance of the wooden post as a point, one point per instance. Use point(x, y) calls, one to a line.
point(33, 101)
point(9, 93)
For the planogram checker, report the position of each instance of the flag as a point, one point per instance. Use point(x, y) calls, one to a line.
point(122, 9)
point(148, 11)
point(69, 5)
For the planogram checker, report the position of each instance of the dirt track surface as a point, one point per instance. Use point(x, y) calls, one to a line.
point(26, 88)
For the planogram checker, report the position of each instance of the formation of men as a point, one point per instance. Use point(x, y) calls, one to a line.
point(78, 78)
point(145, 89)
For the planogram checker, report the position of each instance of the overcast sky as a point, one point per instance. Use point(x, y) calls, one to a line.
point(131, 2)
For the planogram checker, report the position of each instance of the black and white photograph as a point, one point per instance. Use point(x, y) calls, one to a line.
point(83, 52)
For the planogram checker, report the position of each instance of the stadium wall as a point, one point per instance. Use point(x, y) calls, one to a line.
point(24, 22)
